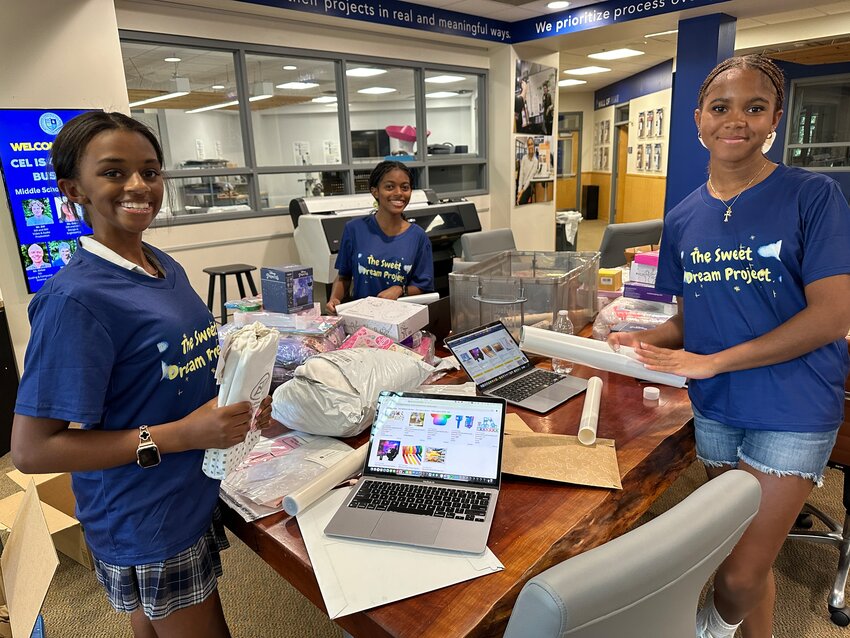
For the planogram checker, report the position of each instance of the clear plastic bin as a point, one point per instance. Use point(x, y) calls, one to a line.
point(524, 288)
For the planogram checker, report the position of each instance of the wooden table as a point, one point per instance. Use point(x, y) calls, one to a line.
point(537, 524)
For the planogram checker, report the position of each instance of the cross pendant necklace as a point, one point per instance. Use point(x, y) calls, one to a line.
point(729, 205)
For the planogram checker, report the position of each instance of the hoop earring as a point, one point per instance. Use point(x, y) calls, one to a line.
point(768, 142)
point(699, 137)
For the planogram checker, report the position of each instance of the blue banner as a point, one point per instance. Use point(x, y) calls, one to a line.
point(401, 14)
point(598, 15)
point(416, 16)
point(47, 226)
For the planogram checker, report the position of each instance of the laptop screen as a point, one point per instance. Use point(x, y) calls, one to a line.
point(450, 438)
point(489, 354)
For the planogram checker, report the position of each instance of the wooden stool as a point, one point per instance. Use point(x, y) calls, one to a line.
point(221, 272)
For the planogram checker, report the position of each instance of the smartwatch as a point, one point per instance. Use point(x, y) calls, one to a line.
point(147, 454)
point(404, 290)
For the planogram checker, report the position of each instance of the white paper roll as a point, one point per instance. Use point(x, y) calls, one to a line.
point(326, 481)
point(589, 352)
point(590, 412)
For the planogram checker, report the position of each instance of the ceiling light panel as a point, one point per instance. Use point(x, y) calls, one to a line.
point(364, 72)
point(587, 70)
point(615, 54)
point(298, 86)
point(571, 82)
point(376, 90)
point(438, 94)
point(444, 79)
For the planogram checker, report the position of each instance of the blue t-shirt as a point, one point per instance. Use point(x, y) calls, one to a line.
point(376, 261)
point(741, 279)
point(114, 349)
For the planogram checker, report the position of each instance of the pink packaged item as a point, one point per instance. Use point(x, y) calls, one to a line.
point(649, 258)
point(363, 337)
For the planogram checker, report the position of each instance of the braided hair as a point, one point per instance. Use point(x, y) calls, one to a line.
point(756, 62)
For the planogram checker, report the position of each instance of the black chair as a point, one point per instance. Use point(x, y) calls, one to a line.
point(618, 237)
point(837, 535)
point(221, 272)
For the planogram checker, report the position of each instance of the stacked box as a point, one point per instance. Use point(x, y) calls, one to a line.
point(610, 279)
point(287, 288)
point(644, 268)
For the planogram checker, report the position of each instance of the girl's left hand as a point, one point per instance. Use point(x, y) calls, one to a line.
point(681, 362)
point(263, 416)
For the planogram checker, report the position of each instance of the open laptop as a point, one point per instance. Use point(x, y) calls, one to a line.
point(432, 473)
point(492, 359)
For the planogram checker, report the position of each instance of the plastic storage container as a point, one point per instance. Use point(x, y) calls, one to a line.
point(524, 288)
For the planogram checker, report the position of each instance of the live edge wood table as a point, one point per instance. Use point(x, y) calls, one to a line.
point(537, 523)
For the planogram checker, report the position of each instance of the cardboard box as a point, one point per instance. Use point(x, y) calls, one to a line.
point(395, 319)
point(631, 252)
point(610, 279)
point(287, 288)
point(57, 499)
point(647, 293)
point(642, 273)
point(27, 566)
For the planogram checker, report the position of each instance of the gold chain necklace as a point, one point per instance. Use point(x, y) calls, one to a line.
point(729, 205)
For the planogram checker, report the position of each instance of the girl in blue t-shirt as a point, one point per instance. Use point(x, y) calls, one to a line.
point(759, 258)
point(121, 344)
point(384, 255)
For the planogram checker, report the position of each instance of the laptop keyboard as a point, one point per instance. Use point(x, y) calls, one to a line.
point(424, 500)
point(524, 387)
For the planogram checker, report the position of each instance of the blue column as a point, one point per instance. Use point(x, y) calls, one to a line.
point(703, 43)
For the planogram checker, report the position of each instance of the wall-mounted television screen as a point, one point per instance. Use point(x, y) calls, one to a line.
point(47, 226)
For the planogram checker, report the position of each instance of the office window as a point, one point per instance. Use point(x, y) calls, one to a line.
point(451, 113)
point(190, 98)
point(298, 124)
point(247, 128)
point(819, 124)
point(382, 111)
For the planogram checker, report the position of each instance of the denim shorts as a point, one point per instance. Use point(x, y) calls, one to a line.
point(802, 454)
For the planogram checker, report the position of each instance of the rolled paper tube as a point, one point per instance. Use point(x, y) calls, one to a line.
point(326, 481)
point(596, 354)
point(590, 412)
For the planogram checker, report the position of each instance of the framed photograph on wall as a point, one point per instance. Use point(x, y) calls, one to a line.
point(639, 157)
point(647, 157)
point(649, 119)
point(659, 122)
point(641, 120)
point(656, 158)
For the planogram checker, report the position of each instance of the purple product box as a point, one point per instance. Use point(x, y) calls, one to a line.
point(287, 288)
point(647, 293)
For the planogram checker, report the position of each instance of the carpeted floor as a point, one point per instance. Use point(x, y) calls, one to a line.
point(260, 604)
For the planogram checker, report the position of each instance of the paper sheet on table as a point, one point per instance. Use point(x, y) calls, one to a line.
point(355, 575)
point(515, 425)
point(589, 352)
point(560, 457)
point(463, 389)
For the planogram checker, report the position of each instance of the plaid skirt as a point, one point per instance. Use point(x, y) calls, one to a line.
point(176, 583)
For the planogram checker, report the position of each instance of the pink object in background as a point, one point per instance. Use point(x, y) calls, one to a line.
point(406, 133)
point(649, 258)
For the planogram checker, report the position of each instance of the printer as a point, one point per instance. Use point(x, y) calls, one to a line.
point(319, 222)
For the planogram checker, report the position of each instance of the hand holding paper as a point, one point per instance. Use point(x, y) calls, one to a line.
point(596, 354)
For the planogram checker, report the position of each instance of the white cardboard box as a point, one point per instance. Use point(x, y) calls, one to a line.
point(395, 319)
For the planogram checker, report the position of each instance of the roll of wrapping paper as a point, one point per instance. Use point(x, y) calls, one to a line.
point(590, 412)
point(326, 481)
point(596, 354)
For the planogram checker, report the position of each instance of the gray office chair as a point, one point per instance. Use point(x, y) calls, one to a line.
point(486, 243)
point(618, 237)
point(646, 583)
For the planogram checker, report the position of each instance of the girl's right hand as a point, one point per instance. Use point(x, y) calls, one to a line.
point(213, 427)
point(617, 339)
point(331, 305)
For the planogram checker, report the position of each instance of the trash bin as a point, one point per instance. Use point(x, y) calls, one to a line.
point(566, 230)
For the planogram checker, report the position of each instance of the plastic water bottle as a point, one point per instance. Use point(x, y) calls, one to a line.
point(564, 325)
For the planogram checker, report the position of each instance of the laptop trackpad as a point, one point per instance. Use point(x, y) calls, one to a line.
point(402, 529)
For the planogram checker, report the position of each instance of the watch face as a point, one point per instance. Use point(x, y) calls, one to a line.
point(147, 456)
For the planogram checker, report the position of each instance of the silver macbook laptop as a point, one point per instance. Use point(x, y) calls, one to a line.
point(492, 359)
point(432, 473)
